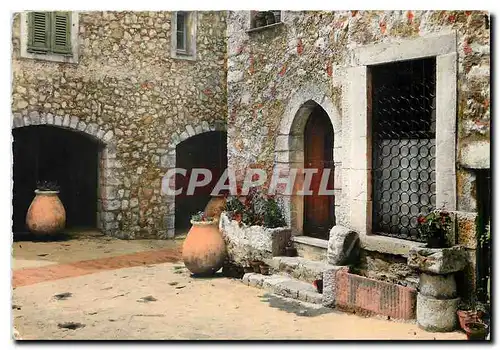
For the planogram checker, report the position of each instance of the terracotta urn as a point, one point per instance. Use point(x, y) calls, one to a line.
point(204, 249)
point(46, 214)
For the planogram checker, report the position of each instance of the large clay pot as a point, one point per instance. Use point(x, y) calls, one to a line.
point(204, 249)
point(46, 214)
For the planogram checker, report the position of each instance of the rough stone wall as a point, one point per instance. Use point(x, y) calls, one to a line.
point(270, 67)
point(127, 86)
point(267, 67)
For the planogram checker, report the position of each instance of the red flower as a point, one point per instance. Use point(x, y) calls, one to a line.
point(421, 219)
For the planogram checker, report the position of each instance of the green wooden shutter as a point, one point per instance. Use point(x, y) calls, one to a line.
point(39, 32)
point(61, 33)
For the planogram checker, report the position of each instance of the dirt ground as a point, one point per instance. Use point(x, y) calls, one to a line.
point(160, 300)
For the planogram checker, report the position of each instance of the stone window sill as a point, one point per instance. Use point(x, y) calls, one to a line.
point(258, 29)
point(388, 245)
point(183, 56)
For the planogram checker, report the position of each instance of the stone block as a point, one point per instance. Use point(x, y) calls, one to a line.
point(58, 120)
point(343, 246)
point(329, 285)
point(245, 243)
point(66, 121)
point(73, 122)
point(437, 315)
point(438, 286)
point(475, 155)
point(190, 131)
point(439, 261)
point(81, 126)
point(467, 229)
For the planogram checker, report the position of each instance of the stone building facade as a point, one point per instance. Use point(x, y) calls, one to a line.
point(125, 88)
point(278, 74)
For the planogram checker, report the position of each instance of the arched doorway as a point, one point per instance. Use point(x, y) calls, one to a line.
point(310, 132)
point(207, 150)
point(319, 213)
point(47, 153)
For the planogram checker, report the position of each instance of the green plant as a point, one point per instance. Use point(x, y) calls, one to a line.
point(435, 226)
point(200, 216)
point(256, 209)
point(47, 186)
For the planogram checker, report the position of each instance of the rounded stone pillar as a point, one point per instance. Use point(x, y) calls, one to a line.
point(436, 299)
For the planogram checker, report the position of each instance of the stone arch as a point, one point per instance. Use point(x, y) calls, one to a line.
point(168, 161)
point(289, 146)
point(107, 202)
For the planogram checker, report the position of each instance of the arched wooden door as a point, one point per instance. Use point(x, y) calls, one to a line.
point(318, 154)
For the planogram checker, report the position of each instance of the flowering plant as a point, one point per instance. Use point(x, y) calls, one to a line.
point(255, 209)
point(434, 226)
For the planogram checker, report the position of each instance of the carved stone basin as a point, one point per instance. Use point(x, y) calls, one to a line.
point(440, 261)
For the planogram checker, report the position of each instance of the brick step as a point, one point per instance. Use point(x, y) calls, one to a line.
point(299, 268)
point(284, 286)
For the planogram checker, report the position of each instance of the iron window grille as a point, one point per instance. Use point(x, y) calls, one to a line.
point(404, 146)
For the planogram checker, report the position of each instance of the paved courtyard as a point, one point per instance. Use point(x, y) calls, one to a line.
point(95, 287)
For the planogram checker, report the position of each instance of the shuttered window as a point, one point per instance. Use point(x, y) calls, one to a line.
point(49, 32)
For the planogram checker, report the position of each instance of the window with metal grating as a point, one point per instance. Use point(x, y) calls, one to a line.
point(404, 147)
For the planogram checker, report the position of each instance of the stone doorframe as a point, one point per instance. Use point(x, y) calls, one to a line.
point(289, 147)
point(107, 182)
point(357, 109)
point(168, 161)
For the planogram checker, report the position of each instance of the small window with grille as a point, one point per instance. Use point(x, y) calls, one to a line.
point(264, 19)
point(49, 32)
point(404, 148)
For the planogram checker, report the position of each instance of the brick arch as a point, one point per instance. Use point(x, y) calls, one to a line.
point(289, 146)
point(107, 204)
point(168, 160)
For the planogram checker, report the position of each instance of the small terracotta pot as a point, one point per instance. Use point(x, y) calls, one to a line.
point(46, 214)
point(290, 251)
point(264, 269)
point(204, 249)
point(476, 330)
point(466, 316)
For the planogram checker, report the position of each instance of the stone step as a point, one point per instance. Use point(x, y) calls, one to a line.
point(310, 248)
point(284, 286)
point(299, 268)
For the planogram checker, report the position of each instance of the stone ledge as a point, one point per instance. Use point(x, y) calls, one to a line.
point(388, 245)
point(315, 242)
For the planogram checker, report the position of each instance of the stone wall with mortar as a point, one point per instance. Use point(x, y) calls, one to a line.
point(130, 95)
point(305, 58)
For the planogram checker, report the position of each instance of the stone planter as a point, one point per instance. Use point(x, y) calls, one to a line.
point(204, 249)
point(248, 243)
point(436, 299)
point(46, 214)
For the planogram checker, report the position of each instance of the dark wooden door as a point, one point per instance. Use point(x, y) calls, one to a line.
point(318, 154)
